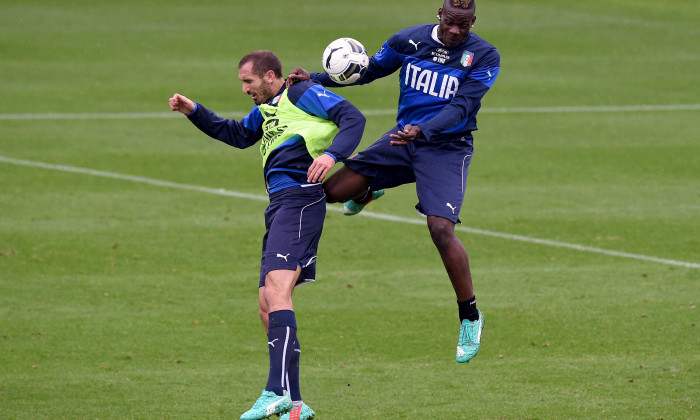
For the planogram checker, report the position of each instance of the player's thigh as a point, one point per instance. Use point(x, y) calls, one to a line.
point(294, 231)
point(441, 178)
point(345, 184)
point(281, 282)
point(388, 166)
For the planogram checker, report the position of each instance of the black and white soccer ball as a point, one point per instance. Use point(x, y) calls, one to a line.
point(345, 60)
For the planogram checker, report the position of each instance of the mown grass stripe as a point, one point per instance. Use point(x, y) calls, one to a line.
point(388, 217)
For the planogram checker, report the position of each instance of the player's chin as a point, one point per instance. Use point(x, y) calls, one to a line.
point(454, 42)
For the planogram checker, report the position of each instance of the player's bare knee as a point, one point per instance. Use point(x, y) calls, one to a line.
point(441, 231)
point(270, 294)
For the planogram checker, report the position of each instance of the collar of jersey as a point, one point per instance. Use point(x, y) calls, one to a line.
point(276, 99)
point(435, 36)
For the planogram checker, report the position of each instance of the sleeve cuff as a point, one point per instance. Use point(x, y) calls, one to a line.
point(331, 155)
point(196, 105)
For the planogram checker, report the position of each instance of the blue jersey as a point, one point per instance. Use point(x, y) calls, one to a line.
point(441, 88)
point(287, 165)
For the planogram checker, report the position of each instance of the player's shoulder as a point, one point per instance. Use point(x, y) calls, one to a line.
point(298, 89)
point(418, 33)
point(478, 43)
point(310, 93)
point(485, 53)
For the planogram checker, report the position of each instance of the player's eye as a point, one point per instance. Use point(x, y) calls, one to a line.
point(461, 26)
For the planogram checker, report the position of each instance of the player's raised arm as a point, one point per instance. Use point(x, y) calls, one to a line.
point(234, 133)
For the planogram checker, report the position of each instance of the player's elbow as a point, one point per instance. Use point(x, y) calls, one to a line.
point(361, 122)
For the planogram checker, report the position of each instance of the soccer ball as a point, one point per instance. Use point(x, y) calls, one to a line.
point(345, 60)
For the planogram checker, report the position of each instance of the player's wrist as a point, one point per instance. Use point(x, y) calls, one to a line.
point(331, 155)
point(194, 109)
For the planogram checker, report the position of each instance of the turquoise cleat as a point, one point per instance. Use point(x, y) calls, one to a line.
point(303, 412)
point(352, 207)
point(269, 404)
point(469, 339)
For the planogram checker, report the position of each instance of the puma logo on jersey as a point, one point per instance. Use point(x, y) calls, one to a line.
point(431, 82)
point(324, 94)
point(272, 343)
point(282, 256)
point(415, 44)
point(451, 208)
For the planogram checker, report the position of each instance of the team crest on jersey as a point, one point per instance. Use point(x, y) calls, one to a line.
point(467, 58)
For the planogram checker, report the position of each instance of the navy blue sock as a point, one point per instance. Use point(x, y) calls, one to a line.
point(468, 310)
point(293, 373)
point(282, 333)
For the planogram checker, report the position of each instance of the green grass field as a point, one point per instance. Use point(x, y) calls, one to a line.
point(129, 241)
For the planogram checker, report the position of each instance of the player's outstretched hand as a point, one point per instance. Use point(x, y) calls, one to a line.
point(319, 168)
point(297, 75)
point(181, 103)
point(406, 136)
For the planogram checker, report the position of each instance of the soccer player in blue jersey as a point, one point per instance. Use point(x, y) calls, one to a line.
point(304, 130)
point(445, 70)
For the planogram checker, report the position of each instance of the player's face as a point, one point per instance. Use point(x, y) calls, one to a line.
point(454, 25)
point(259, 88)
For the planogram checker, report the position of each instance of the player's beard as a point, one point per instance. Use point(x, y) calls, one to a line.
point(264, 94)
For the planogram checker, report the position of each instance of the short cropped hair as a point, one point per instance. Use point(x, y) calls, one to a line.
point(263, 61)
point(462, 4)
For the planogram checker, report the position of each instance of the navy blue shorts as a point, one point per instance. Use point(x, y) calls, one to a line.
point(294, 221)
point(438, 169)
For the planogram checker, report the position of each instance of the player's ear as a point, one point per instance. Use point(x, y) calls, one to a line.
point(439, 14)
point(270, 76)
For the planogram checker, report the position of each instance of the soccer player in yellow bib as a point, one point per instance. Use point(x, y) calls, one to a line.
point(303, 130)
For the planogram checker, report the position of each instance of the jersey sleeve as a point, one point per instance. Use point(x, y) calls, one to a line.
point(314, 99)
point(240, 134)
point(467, 101)
point(385, 62)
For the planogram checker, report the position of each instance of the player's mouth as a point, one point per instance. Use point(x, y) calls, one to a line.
point(453, 41)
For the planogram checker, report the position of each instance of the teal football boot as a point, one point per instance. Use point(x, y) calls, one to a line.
point(469, 339)
point(269, 404)
point(352, 207)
